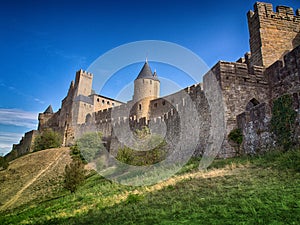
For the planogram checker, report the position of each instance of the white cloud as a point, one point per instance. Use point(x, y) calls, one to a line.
point(19, 118)
point(7, 139)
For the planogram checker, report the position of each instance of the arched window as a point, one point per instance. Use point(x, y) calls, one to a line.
point(252, 103)
point(88, 118)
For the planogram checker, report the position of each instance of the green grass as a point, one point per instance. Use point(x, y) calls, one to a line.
point(248, 190)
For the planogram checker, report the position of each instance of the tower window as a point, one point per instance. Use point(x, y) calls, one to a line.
point(108, 103)
point(98, 100)
point(103, 101)
point(140, 106)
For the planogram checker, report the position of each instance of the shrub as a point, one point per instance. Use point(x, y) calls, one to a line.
point(125, 155)
point(3, 163)
point(134, 198)
point(283, 120)
point(156, 153)
point(89, 146)
point(74, 175)
point(236, 136)
point(47, 139)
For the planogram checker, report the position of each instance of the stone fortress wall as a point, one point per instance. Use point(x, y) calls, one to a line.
point(248, 88)
point(272, 34)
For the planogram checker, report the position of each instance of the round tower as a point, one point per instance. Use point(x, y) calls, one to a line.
point(146, 88)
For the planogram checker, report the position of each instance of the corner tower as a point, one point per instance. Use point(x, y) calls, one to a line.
point(272, 34)
point(146, 88)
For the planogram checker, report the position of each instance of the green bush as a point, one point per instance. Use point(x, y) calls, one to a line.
point(283, 121)
point(47, 139)
point(236, 136)
point(155, 143)
point(74, 175)
point(125, 155)
point(89, 146)
point(3, 163)
point(134, 198)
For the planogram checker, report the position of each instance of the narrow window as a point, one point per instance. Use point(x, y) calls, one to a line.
point(140, 107)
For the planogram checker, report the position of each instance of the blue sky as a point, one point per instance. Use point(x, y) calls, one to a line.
point(43, 44)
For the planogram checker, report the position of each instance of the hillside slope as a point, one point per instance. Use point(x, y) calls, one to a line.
point(247, 190)
point(33, 177)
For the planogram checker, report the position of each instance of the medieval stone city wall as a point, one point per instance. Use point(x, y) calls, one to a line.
point(239, 87)
point(25, 146)
point(284, 78)
point(248, 88)
point(164, 116)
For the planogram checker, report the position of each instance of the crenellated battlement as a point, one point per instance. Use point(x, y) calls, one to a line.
point(236, 73)
point(268, 28)
point(282, 12)
point(283, 75)
point(84, 73)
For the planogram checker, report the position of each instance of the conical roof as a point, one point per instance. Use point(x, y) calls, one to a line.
point(49, 109)
point(146, 73)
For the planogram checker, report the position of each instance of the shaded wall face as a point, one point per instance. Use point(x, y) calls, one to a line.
point(284, 77)
point(239, 87)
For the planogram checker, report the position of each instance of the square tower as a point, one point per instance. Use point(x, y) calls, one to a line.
point(272, 34)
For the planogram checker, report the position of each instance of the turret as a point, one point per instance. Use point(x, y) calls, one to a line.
point(44, 117)
point(146, 88)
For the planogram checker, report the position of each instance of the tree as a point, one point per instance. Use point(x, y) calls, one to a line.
point(90, 146)
point(74, 175)
point(47, 139)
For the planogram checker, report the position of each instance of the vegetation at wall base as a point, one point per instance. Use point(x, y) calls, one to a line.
point(3, 163)
point(261, 189)
point(152, 151)
point(47, 139)
point(236, 136)
point(283, 121)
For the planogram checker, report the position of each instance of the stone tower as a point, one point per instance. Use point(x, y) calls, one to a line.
point(82, 103)
point(83, 83)
point(272, 34)
point(146, 88)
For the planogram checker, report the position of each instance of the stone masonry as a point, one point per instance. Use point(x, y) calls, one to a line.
point(248, 87)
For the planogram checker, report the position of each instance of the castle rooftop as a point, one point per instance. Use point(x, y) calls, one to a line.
point(146, 73)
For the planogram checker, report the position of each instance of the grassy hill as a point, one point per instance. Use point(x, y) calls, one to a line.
point(33, 178)
point(249, 190)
